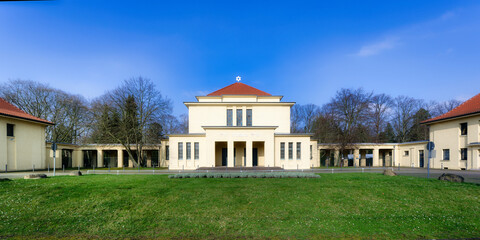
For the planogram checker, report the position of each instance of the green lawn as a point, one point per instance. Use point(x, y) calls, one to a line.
point(334, 206)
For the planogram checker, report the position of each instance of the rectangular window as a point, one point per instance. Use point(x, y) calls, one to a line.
point(299, 150)
point(463, 153)
point(180, 151)
point(463, 128)
point(229, 117)
point(10, 130)
point(290, 150)
point(167, 152)
point(406, 153)
point(282, 150)
point(239, 117)
point(446, 154)
point(197, 150)
point(189, 150)
point(249, 117)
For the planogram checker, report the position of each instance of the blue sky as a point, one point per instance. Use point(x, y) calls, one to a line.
point(304, 50)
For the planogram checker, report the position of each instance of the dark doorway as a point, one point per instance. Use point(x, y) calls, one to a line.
point(125, 159)
point(350, 159)
point(89, 158)
point(224, 156)
point(255, 157)
point(67, 158)
point(422, 158)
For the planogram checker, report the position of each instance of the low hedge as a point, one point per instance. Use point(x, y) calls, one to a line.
point(246, 175)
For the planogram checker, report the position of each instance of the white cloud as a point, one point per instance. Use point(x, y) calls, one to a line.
point(447, 15)
point(376, 48)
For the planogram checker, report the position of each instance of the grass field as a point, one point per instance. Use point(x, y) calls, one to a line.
point(333, 206)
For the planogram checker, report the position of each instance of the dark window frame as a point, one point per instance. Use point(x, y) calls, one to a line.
point(189, 151)
point(299, 150)
point(167, 152)
point(290, 150)
point(229, 117)
point(463, 154)
point(446, 155)
point(180, 151)
point(282, 151)
point(249, 117)
point(10, 130)
point(196, 149)
point(239, 117)
point(463, 129)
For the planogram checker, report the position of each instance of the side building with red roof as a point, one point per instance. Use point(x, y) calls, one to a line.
point(456, 135)
point(22, 139)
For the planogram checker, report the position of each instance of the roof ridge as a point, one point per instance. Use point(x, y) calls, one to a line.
point(238, 88)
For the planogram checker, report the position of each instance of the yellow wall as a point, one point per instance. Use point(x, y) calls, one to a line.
point(26, 149)
point(446, 135)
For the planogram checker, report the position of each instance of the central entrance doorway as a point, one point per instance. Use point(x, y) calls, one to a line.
point(224, 156)
point(255, 157)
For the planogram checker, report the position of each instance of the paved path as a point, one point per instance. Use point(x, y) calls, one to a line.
point(472, 176)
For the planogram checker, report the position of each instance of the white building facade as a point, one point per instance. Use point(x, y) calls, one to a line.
point(239, 126)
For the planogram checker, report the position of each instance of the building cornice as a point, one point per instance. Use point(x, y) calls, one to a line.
point(238, 103)
point(187, 135)
point(26, 119)
point(293, 134)
point(240, 127)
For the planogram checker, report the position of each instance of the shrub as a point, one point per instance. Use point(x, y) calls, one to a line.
point(246, 175)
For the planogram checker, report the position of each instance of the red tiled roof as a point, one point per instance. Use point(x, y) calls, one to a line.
point(239, 88)
point(10, 110)
point(470, 106)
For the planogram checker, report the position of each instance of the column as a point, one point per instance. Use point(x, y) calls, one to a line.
point(119, 158)
point(148, 154)
point(130, 162)
point(58, 158)
point(376, 154)
point(99, 158)
point(356, 156)
point(230, 149)
point(336, 158)
point(77, 158)
point(249, 154)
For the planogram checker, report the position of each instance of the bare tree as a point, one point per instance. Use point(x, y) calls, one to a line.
point(439, 108)
point(296, 119)
point(140, 109)
point(403, 117)
point(302, 118)
point(350, 109)
point(380, 106)
point(67, 111)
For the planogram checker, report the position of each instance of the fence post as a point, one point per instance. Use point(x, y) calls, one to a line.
point(33, 167)
point(362, 169)
point(332, 170)
point(6, 167)
point(63, 167)
point(48, 167)
point(398, 166)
